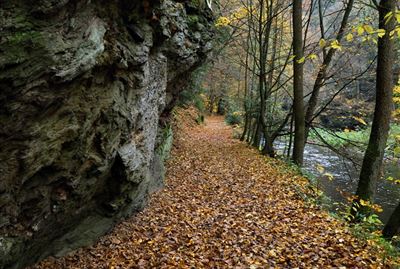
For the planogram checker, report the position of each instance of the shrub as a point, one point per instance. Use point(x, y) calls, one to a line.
point(233, 118)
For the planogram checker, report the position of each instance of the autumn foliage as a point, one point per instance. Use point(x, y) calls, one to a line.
point(225, 206)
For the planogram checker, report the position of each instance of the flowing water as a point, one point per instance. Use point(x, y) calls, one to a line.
point(345, 177)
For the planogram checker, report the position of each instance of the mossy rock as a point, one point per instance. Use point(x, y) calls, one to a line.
point(9, 249)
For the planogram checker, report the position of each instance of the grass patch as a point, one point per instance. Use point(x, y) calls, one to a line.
point(359, 138)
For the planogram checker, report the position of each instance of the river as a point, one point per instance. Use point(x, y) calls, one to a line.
point(345, 177)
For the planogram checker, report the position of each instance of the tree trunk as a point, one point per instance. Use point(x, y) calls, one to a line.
point(246, 87)
point(290, 137)
point(298, 103)
point(319, 81)
point(251, 131)
point(269, 147)
point(257, 133)
point(373, 157)
point(393, 226)
point(246, 124)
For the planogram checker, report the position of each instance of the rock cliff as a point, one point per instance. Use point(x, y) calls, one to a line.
point(83, 85)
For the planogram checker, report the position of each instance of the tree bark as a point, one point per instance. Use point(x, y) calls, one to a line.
point(257, 133)
point(269, 147)
point(298, 103)
point(246, 124)
point(319, 81)
point(246, 87)
point(393, 226)
point(373, 157)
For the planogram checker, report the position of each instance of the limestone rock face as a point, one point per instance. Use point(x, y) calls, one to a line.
point(83, 85)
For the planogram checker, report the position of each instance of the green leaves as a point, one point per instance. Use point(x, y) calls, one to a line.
point(301, 60)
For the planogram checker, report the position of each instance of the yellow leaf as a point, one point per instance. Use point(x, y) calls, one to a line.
point(349, 37)
point(360, 30)
point(329, 176)
point(322, 43)
point(388, 17)
point(312, 56)
point(222, 21)
point(396, 89)
point(381, 32)
point(320, 168)
point(377, 208)
point(397, 17)
point(336, 45)
point(368, 28)
point(360, 120)
point(364, 203)
point(390, 179)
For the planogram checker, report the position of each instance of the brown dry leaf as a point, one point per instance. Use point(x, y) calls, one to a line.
point(225, 206)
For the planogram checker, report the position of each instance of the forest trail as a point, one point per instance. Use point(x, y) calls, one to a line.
point(225, 206)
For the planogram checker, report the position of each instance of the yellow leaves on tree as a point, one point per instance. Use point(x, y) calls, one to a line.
point(322, 43)
point(222, 21)
point(236, 16)
point(334, 44)
point(396, 101)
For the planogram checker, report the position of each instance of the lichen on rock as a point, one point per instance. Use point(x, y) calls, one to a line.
point(83, 85)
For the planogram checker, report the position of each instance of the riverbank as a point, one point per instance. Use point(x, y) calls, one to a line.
point(342, 160)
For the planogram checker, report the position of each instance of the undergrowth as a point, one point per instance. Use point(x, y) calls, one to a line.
point(368, 228)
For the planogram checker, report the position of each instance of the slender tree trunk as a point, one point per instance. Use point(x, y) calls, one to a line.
point(249, 131)
point(298, 103)
point(372, 163)
point(256, 129)
point(269, 140)
point(393, 226)
point(319, 81)
point(246, 124)
point(261, 88)
point(321, 25)
point(262, 66)
point(290, 137)
point(258, 133)
point(246, 87)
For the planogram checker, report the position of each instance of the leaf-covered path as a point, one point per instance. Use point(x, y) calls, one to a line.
point(225, 206)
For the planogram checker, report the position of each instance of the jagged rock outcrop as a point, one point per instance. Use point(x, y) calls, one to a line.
point(83, 85)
